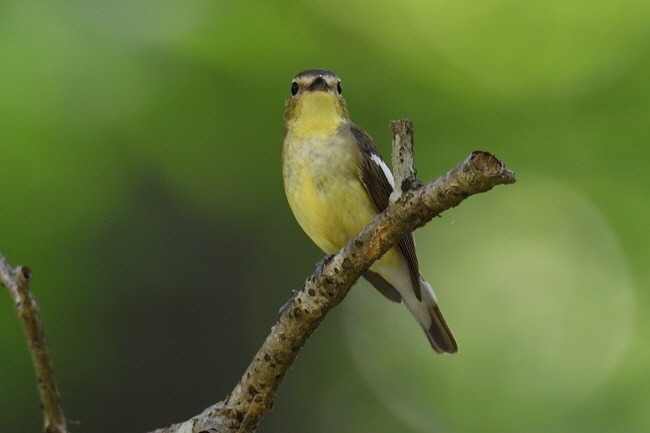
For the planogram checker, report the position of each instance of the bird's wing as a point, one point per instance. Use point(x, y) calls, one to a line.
point(378, 181)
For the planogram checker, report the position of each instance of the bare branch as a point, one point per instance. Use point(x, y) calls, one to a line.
point(253, 396)
point(17, 283)
point(402, 156)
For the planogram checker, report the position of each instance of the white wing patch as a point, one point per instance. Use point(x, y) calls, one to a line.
point(377, 160)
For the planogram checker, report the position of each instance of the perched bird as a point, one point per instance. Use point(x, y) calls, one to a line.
point(336, 182)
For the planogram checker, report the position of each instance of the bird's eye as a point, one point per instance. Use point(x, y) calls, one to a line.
point(294, 88)
point(339, 88)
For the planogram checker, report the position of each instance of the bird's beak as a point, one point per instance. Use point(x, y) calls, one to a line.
point(319, 84)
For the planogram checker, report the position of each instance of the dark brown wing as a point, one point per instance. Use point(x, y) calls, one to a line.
point(407, 247)
point(379, 188)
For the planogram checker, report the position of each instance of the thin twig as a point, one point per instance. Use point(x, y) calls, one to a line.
point(253, 396)
point(17, 283)
point(402, 156)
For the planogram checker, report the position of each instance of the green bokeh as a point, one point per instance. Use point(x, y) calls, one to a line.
point(140, 167)
point(542, 301)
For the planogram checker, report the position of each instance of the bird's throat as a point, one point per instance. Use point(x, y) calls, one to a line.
point(316, 114)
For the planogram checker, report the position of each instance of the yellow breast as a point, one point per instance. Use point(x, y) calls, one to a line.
point(322, 184)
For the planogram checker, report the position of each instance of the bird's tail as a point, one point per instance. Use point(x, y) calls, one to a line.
point(439, 334)
point(425, 309)
point(433, 323)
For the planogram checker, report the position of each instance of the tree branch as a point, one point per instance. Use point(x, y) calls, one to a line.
point(402, 156)
point(411, 206)
point(253, 396)
point(17, 283)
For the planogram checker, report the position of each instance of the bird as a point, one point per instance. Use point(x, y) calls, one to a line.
point(336, 182)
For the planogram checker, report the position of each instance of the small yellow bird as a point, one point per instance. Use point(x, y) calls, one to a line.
point(336, 182)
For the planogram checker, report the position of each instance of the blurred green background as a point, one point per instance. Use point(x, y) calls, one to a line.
point(140, 180)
